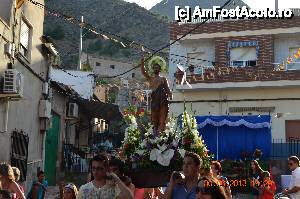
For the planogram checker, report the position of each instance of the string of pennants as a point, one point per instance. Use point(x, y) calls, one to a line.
point(135, 45)
point(84, 25)
point(94, 30)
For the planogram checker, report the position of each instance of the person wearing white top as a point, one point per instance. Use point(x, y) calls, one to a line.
point(294, 188)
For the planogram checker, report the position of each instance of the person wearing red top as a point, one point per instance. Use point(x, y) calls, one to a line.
point(268, 187)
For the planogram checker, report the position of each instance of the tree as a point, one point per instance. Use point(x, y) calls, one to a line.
point(111, 49)
point(57, 32)
point(96, 46)
point(126, 52)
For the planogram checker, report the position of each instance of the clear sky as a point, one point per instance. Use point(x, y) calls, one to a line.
point(252, 3)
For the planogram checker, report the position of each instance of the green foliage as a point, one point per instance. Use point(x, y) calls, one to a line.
point(86, 67)
point(56, 32)
point(89, 35)
point(166, 18)
point(110, 50)
point(126, 52)
point(111, 97)
point(96, 46)
point(101, 81)
point(137, 25)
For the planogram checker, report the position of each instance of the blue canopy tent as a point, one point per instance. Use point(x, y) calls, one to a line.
point(229, 136)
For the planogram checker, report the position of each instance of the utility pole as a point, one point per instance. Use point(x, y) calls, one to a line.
point(276, 5)
point(80, 45)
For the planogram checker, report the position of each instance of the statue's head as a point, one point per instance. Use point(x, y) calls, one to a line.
point(157, 64)
point(156, 69)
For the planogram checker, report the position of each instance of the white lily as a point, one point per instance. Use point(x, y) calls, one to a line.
point(165, 157)
point(154, 154)
point(140, 151)
point(181, 152)
point(175, 143)
point(163, 147)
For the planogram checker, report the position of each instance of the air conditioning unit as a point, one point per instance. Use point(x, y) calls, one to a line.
point(73, 110)
point(45, 124)
point(9, 49)
point(13, 83)
point(45, 109)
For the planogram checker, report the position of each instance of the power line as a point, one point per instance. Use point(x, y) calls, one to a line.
point(155, 52)
point(172, 43)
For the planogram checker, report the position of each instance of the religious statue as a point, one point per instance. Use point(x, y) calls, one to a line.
point(160, 93)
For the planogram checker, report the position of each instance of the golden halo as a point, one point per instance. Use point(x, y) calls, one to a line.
point(157, 60)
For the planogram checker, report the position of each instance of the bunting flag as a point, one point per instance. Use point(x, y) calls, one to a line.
point(104, 37)
point(122, 44)
point(19, 3)
point(290, 59)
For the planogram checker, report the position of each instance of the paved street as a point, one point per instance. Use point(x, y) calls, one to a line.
point(52, 193)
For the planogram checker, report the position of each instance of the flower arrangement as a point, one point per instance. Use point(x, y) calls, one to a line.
point(145, 149)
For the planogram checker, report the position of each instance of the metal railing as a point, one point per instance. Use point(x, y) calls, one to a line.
point(282, 149)
point(75, 158)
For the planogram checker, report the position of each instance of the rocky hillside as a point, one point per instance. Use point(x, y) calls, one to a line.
point(167, 7)
point(115, 16)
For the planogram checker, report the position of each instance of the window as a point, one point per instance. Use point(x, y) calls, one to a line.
point(98, 64)
point(195, 59)
point(292, 131)
point(112, 66)
point(243, 56)
point(295, 65)
point(25, 38)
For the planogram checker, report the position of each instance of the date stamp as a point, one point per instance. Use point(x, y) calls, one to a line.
point(238, 183)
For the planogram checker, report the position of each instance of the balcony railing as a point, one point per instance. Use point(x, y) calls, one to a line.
point(285, 66)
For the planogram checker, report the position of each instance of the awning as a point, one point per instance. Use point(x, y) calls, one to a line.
point(230, 136)
point(253, 122)
point(97, 109)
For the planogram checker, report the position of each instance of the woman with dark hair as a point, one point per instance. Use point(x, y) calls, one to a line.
point(217, 170)
point(209, 186)
point(7, 180)
point(255, 178)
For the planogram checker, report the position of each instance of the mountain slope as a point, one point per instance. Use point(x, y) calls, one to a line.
point(116, 16)
point(167, 7)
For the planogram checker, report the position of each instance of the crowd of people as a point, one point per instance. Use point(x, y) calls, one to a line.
point(108, 181)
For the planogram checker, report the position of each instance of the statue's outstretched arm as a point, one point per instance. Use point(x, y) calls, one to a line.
point(143, 69)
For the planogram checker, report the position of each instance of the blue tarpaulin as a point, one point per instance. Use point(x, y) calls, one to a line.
point(229, 136)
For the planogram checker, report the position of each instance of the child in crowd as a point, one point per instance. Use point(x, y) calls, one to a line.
point(268, 186)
